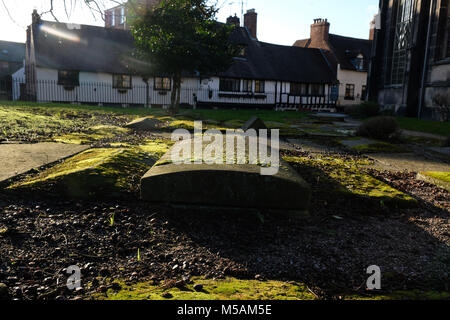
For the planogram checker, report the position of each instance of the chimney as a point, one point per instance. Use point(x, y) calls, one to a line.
point(234, 20)
point(320, 32)
point(251, 22)
point(372, 29)
point(35, 17)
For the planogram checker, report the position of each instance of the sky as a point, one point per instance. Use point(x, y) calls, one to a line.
point(279, 21)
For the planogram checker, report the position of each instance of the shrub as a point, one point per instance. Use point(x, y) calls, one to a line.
point(369, 109)
point(383, 128)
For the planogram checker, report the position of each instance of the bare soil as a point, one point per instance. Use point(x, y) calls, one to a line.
point(330, 252)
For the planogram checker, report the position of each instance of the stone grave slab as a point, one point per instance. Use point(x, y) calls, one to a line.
point(144, 124)
point(94, 173)
point(254, 123)
point(329, 117)
point(224, 185)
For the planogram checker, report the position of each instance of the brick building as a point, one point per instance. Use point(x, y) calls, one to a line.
point(410, 67)
point(348, 57)
point(117, 17)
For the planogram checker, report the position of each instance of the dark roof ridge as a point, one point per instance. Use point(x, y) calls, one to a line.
point(15, 42)
point(84, 25)
point(287, 46)
point(349, 38)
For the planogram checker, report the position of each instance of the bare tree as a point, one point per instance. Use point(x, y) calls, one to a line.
point(95, 6)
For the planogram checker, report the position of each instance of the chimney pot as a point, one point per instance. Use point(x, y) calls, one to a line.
point(320, 32)
point(251, 22)
point(234, 20)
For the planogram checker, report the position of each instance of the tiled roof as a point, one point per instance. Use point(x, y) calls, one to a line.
point(96, 49)
point(344, 49)
point(12, 51)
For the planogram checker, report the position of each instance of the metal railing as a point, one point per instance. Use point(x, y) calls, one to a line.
point(104, 93)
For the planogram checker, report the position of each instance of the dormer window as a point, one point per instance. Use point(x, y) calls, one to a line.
point(241, 51)
point(358, 62)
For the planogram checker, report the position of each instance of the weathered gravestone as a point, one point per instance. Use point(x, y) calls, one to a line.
point(254, 123)
point(144, 124)
point(237, 184)
point(329, 117)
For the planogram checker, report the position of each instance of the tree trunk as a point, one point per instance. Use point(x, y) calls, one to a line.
point(175, 96)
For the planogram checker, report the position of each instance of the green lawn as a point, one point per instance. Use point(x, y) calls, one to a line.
point(428, 126)
point(33, 122)
point(206, 114)
point(74, 107)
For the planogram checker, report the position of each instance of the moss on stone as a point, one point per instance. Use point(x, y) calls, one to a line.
point(105, 172)
point(95, 172)
point(227, 289)
point(351, 179)
point(443, 176)
point(157, 147)
point(380, 147)
point(441, 179)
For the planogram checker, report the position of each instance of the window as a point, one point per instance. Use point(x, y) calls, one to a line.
point(350, 92)
point(358, 62)
point(163, 83)
point(443, 34)
point(241, 50)
point(402, 40)
point(247, 85)
point(121, 81)
point(260, 86)
point(299, 89)
point(363, 92)
point(317, 89)
point(69, 78)
point(230, 85)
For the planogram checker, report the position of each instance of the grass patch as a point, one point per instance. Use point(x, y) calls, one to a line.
point(22, 124)
point(404, 295)
point(427, 126)
point(93, 134)
point(248, 290)
point(64, 107)
point(346, 177)
point(227, 289)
